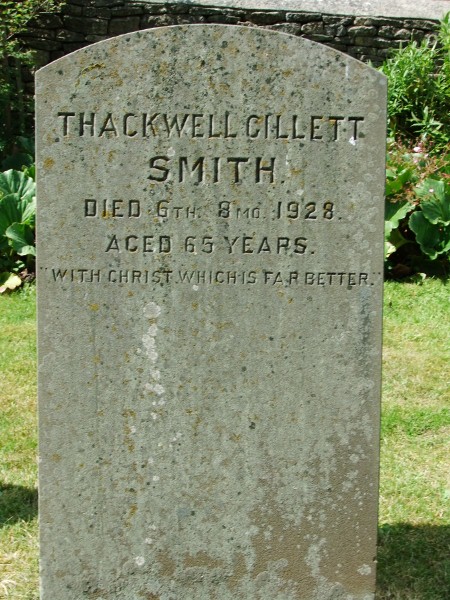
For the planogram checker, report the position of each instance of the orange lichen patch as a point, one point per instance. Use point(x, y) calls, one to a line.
point(91, 67)
point(48, 163)
point(167, 564)
point(278, 543)
point(201, 559)
point(239, 571)
point(94, 307)
point(132, 511)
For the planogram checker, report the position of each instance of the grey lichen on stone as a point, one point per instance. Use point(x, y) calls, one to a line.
point(210, 254)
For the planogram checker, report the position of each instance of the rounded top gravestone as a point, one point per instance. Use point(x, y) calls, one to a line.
point(210, 251)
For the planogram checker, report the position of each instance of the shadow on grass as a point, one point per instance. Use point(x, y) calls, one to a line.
point(413, 562)
point(17, 503)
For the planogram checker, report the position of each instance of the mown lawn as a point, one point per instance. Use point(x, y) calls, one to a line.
point(414, 533)
point(18, 447)
point(414, 548)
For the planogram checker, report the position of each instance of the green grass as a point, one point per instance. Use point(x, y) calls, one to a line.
point(414, 533)
point(18, 447)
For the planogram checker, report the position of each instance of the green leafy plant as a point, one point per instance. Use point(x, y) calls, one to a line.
point(394, 215)
point(419, 90)
point(431, 223)
point(17, 225)
point(417, 207)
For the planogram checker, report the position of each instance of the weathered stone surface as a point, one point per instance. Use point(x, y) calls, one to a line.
point(382, 43)
point(69, 36)
point(379, 21)
point(44, 44)
point(93, 13)
point(102, 13)
point(298, 17)
point(404, 34)
point(418, 35)
point(128, 10)
point(361, 41)
point(73, 9)
point(291, 28)
point(223, 18)
point(420, 9)
point(310, 28)
point(362, 31)
point(95, 38)
point(48, 21)
point(210, 254)
point(108, 3)
point(45, 35)
point(387, 31)
point(266, 18)
point(123, 25)
point(88, 26)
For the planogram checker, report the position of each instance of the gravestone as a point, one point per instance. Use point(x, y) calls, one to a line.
point(210, 246)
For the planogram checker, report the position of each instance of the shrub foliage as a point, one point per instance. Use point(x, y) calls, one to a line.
point(417, 224)
point(14, 18)
point(419, 90)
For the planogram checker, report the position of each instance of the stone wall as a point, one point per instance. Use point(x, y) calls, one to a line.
point(83, 22)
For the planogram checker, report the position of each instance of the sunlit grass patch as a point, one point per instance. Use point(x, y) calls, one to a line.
point(414, 535)
point(18, 447)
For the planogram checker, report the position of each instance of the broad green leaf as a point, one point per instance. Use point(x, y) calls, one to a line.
point(431, 188)
point(437, 211)
point(394, 213)
point(435, 203)
point(14, 209)
point(9, 212)
point(397, 240)
point(29, 212)
point(433, 239)
point(30, 171)
point(16, 182)
point(396, 180)
point(21, 239)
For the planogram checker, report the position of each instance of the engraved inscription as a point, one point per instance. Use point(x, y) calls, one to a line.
point(112, 208)
point(234, 169)
point(308, 210)
point(316, 128)
point(207, 244)
point(293, 278)
point(287, 220)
